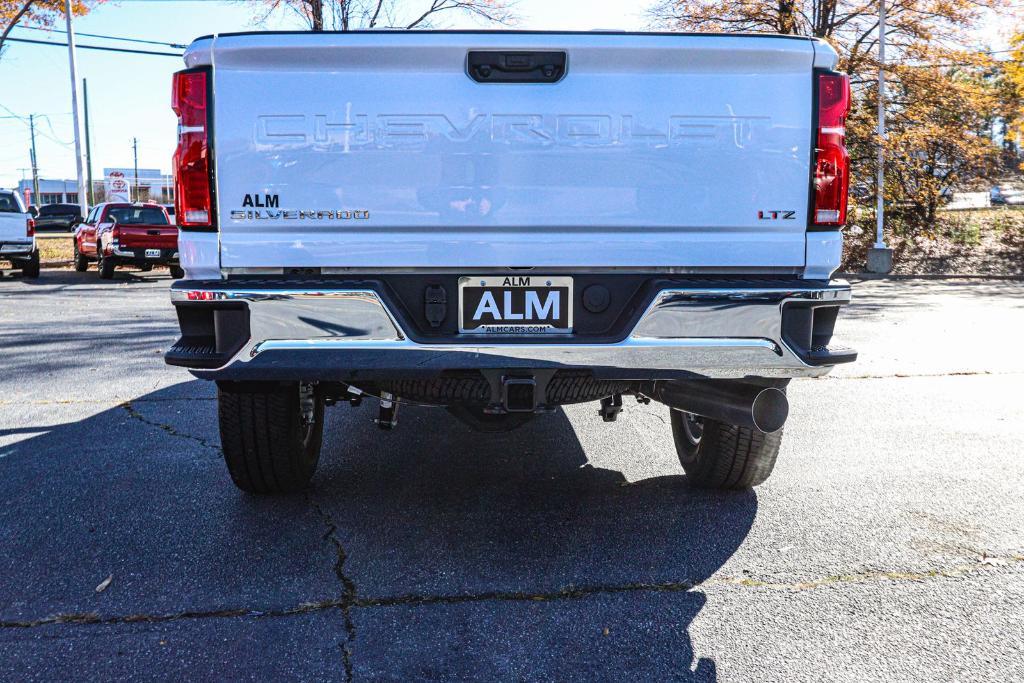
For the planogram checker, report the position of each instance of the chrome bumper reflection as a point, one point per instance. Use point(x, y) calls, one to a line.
point(17, 248)
point(729, 332)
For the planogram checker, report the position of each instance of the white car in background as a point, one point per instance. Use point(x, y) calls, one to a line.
point(17, 235)
point(1006, 195)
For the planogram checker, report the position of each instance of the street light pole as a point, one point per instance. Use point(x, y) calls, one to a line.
point(35, 163)
point(88, 149)
point(135, 162)
point(880, 211)
point(880, 256)
point(83, 199)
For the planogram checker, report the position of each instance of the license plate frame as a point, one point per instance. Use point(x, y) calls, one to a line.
point(152, 253)
point(517, 305)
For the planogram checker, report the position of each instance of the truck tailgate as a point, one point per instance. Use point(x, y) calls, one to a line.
point(378, 150)
point(12, 226)
point(149, 236)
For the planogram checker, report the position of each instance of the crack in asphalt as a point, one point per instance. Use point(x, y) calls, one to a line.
point(899, 375)
point(348, 596)
point(350, 600)
point(93, 618)
point(573, 592)
point(136, 415)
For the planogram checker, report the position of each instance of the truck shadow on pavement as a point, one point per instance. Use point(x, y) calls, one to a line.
point(63, 277)
point(430, 552)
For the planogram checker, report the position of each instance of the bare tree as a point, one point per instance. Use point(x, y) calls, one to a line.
point(37, 13)
point(347, 15)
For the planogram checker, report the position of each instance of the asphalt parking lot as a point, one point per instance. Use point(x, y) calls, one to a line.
point(887, 545)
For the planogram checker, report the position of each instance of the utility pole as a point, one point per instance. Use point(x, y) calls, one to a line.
point(35, 164)
point(880, 256)
point(23, 190)
point(83, 200)
point(135, 156)
point(88, 148)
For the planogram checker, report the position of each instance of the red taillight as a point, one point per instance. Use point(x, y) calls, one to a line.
point(30, 227)
point(832, 163)
point(191, 158)
point(201, 296)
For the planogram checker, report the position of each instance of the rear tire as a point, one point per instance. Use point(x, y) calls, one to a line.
point(177, 272)
point(31, 267)
point(81, 262)
point(723, 456)
point(267, 446)
point(105, 265)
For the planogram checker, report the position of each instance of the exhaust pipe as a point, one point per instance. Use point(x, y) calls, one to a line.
point(762, 408)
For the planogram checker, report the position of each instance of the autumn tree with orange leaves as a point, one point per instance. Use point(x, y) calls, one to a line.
point(943, 94)
point(37, 13)
point(1014, 87)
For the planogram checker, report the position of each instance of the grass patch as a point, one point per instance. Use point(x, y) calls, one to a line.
point(53, 249)
point(986, 241)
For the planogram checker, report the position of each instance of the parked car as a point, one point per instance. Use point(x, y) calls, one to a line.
point(1005, 195)
point(17, 234)
point(862, 191)
point(551, 218)
point(58, 217)
point(123, 234)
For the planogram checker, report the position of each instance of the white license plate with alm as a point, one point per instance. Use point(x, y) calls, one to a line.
point(515, 304)
point(152, 253)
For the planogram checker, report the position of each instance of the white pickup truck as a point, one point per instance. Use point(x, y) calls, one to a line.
point(500, 223)
point(17, 235)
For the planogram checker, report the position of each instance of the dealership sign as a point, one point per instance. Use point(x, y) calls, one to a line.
point(117, 187)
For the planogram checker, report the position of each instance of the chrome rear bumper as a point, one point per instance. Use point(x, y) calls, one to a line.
point(324, 333)
point(17, 249)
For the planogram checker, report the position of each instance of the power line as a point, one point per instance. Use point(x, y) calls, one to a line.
point(49, 125)
point(100, 35)
point(26, 121)
point(94, 47)
point(15, 116)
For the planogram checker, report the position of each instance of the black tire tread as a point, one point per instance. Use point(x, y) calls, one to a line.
point(31, 268)
point(261, 437)
point(442, 390)
point(571, 387)
point(81, 262)
point(106, 266)
point(564, 387)
point(729, 456)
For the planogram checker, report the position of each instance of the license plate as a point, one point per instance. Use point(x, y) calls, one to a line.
point(152, 253)
point(515, 304)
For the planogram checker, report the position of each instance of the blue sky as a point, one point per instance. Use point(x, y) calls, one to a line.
point(129, 94)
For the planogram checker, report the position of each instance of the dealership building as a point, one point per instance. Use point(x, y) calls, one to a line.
point(152, 185)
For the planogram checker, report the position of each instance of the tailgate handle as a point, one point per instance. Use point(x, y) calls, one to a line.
point(487, 66)
point(153, 232)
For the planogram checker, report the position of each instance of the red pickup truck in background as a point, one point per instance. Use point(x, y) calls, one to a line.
point(121, 234)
